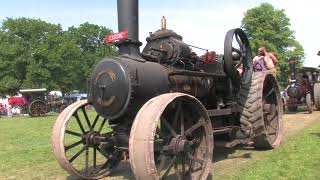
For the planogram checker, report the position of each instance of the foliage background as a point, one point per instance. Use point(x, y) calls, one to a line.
point(270, 27)
point(37, 54)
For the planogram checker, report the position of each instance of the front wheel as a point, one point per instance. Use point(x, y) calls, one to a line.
point(80, 143)
point(171, 137)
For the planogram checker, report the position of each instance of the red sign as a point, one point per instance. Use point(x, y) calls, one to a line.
point(116, 36)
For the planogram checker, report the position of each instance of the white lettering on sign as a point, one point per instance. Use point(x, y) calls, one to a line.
point(116, 36)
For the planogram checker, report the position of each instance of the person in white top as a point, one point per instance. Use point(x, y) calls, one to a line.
point(9, 110)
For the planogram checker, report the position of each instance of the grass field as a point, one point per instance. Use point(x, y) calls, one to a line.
point(26, 153)
point(298, 158)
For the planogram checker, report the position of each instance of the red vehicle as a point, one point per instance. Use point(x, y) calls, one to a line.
point(15, 101)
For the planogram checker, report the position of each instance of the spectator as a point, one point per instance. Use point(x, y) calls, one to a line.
point(258, 61)
point(9, 110)
point(265, 60)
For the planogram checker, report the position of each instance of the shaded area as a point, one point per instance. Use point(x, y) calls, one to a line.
point(316, 134)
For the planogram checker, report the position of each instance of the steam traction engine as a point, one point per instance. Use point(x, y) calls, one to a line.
point(304, 88)
point(163, 106)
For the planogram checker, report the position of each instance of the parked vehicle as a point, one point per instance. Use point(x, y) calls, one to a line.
point(38, 102)
point(303, 88)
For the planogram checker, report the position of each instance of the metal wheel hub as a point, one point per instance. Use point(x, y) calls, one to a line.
point(180, 144)
point(92, 138)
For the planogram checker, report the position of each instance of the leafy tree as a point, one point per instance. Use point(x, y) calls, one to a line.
point(270, 27)
point(35, 54)
point(30, 55)
point(89, 38)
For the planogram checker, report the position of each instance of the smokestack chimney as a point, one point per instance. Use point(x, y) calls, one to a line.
point(292, 66)
point(128, 20)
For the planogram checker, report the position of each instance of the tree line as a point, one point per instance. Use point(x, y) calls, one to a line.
point(37, 54)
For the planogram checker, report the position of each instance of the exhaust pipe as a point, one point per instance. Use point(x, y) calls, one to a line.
point(128, 20)
point(292, 66)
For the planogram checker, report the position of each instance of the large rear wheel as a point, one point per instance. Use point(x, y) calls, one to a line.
point(171, 137)
point(261, 110)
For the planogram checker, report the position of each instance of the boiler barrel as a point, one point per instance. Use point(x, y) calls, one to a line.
point(117, 84)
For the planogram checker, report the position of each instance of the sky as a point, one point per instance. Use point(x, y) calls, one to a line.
point(203, 23)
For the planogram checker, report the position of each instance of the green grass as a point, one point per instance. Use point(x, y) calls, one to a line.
point(26, 153)
point(25, 148)
point(298, 158)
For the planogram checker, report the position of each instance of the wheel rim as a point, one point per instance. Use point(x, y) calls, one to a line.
point(270, 110)
point(179, 147)
point(237, 53)
point(38, 108)
point(182, 144)
point(80, 143)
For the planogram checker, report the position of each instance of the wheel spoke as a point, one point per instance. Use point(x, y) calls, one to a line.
point(79, 122)
point(162, 162)
point(168, 126)
point(176, 115)
point(102, 124)
point(87, 160)
point(73, 133)
point(73, 145)
point(269, 93)
point(238, 64)
point(86, 117)
point(182, 123)
point(94, 158)
point(200, 161)
point(194, 127)
point(167, 148)
point(106, 165)
point(177, 172)
point(169, 167)
point(183, 161)
point(77, 154)
point(237, 51)
point(239, 41)
point(99, 150)
point(95, 121)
